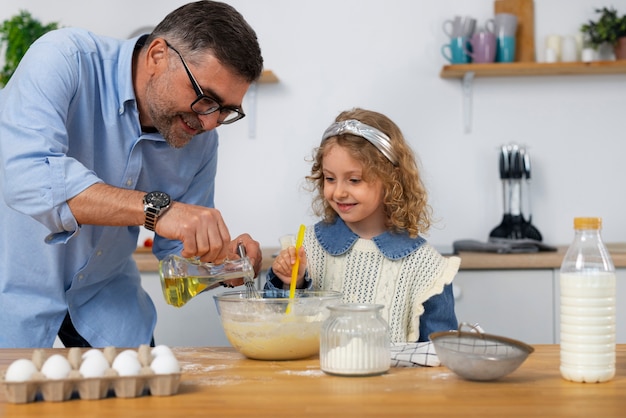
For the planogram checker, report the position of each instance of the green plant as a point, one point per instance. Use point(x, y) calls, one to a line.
point(19, 32)
point(608, 29)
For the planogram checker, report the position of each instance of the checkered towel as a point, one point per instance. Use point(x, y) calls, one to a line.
point(414, 355)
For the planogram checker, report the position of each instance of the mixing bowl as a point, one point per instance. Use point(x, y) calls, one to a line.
point(261, 329)
point(479, 356)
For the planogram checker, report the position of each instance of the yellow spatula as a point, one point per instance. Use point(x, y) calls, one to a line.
point(296, 266)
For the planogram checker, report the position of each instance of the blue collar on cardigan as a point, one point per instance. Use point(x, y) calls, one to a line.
point(336, 238)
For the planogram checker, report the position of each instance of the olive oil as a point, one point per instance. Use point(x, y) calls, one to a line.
point(178, 291)
point(182, 278)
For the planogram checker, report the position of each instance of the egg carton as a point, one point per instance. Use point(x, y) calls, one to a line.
point(39, 387)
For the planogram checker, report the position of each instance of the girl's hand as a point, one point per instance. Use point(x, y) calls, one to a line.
point(283, 264)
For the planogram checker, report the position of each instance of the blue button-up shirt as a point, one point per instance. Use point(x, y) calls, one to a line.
point(68, 120)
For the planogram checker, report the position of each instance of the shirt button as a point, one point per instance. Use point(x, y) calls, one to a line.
point(129, 182)
point(81, 276)
point(99, 253)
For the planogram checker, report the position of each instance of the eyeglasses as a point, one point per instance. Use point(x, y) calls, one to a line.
point(205, 105)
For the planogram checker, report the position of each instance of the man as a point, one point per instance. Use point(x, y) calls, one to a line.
point(100, 136)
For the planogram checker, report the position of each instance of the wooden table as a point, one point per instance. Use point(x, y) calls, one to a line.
point(218, 382)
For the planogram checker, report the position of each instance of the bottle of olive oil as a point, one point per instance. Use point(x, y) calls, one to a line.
point(184, 278)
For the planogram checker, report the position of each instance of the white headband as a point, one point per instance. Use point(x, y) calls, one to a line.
point(369, 133)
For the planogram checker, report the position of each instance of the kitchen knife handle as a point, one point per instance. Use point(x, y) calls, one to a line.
point(526, 164)
point(505, 170)
point(516, 163)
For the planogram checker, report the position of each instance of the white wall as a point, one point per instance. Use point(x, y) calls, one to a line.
point(331, 55)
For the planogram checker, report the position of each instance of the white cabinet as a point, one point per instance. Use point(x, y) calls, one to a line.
point(522, 304)
point(194, 324)
point(511, 303)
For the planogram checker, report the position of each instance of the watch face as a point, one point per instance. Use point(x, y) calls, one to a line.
point(158, 199)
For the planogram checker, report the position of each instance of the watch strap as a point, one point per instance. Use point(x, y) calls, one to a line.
point(152, 214)
point(154, 204)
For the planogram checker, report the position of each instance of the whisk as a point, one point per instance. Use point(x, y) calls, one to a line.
point(248, 279)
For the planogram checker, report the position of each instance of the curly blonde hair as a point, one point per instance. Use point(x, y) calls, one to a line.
point(405, 198)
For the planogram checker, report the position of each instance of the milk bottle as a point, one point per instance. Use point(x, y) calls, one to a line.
point(587, 282)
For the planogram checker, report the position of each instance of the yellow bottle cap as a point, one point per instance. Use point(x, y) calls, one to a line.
point(587, 223)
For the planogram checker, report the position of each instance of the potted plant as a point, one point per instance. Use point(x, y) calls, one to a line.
point(18, 33)
point(609, 29)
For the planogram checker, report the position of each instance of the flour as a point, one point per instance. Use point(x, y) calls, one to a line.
point(356, 358)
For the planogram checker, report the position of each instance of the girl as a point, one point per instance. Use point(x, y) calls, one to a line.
point(373, 206)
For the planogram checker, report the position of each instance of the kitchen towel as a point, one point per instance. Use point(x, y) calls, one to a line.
point(414, 355)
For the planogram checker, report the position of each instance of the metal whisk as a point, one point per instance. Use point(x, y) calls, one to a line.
point(248, 279)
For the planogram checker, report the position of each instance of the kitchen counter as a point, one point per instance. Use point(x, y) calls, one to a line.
point(469, 260)
point(539, 260)
point(217, 381)
point(147, 262)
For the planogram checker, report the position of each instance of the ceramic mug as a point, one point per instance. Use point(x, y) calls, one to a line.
point(502, 24)
point(551, 55)
point(588, 55)
point(453, 28)
point(553, 42)
point(505, 49)
point(459, 27)
point(455, 51)
point(483, 47)
point(569, 49)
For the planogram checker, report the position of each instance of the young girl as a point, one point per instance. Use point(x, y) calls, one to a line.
point(374, 206)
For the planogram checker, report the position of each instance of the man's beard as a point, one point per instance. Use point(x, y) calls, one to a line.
point(166, 123)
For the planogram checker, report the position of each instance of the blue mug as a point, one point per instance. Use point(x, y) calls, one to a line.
point(505, 49)
point(455, 52)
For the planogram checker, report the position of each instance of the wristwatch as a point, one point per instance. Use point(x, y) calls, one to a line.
point(154, 205)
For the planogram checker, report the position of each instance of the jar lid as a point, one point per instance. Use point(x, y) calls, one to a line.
point(587, 223)
point(356, 307)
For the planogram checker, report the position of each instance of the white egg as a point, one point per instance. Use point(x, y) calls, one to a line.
point(56, 367)
point(128, 352)
point(20, 370)
point(161, 349)
point(92, 352)
point(165, 364)
point(126, 364)
point(94, 366)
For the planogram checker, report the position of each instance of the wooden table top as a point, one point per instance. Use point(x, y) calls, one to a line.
point(219, 382)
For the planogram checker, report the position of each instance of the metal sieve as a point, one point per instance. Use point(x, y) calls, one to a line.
point(479, 356)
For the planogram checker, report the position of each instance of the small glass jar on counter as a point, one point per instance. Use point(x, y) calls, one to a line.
point(354, 341)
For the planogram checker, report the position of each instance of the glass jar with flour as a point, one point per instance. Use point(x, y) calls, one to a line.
point(354, 341)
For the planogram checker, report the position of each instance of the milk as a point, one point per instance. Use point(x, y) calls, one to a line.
point(588, 326)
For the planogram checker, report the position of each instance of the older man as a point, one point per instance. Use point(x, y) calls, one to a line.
point(97, 137)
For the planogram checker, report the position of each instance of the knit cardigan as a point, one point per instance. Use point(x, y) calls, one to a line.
point(365, 275)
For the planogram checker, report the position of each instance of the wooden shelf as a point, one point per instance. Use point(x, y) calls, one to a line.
point(467, 73)
point(517, 69)
point(267, 77)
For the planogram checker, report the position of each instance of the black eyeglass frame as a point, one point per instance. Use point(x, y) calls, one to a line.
point(201, 96)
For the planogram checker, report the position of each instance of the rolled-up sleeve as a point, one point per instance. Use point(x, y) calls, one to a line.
point(34, 143)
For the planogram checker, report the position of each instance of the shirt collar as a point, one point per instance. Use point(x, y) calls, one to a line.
point(125, 72)
point(336, 239)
